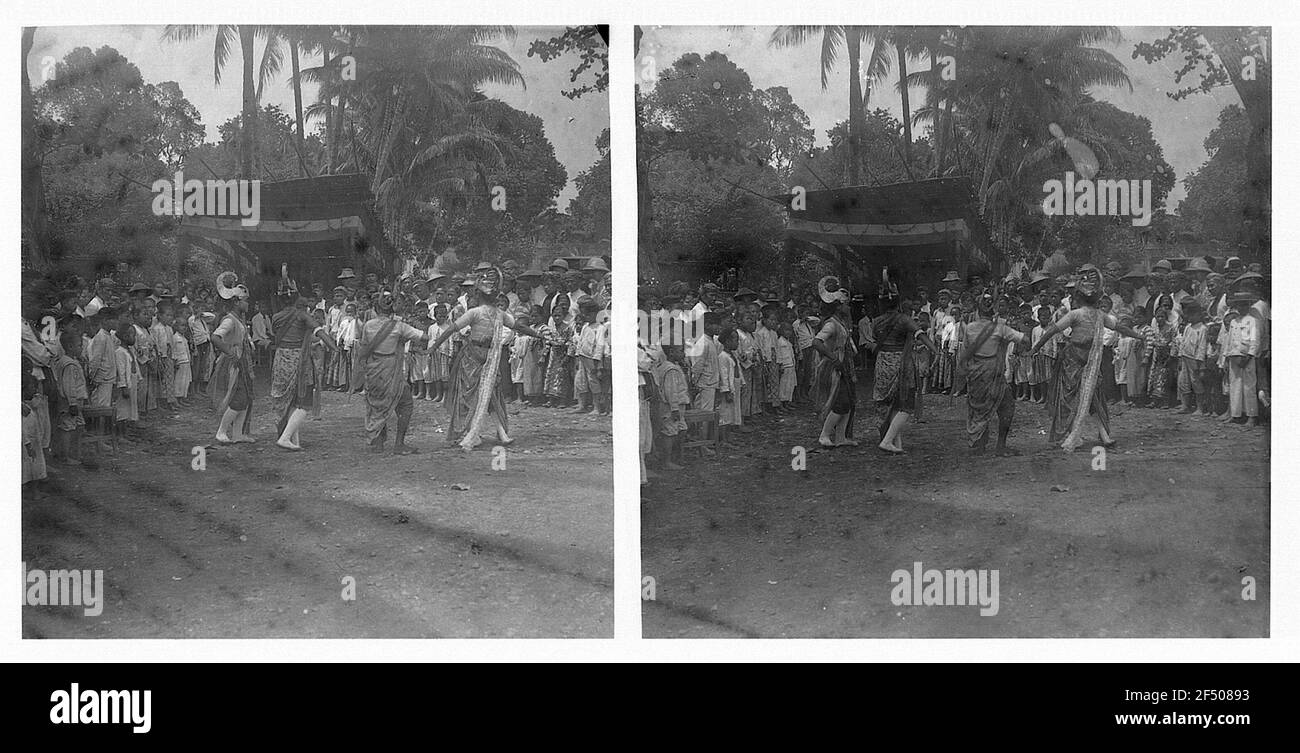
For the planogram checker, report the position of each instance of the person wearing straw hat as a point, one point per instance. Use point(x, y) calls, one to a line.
point(1076, 393)
point(525, 284)
point(1192, 348)
point(232, 380)
point(595, 269)
point(1241, 350)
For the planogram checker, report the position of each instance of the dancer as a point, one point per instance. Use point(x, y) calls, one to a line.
point(980, 368)
point(895, 370)
point(834, 378)
point(232, 379)
point(294, 384)
point(477, 384)
point(1074, 394)
point(380, 356)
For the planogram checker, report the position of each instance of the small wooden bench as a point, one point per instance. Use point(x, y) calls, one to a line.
point(101, 423)
point(701, 430)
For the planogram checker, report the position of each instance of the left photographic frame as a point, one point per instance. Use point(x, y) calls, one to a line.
point(315, 332)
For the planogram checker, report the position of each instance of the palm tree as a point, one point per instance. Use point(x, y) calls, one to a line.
point(411, 120)
point(36, 233)
point(1032, 75)
point(226, 35)
point(850, 39)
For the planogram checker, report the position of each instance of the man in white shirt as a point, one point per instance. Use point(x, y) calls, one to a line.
point(261, 325)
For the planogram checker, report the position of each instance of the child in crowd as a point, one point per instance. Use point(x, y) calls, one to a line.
point(1140, 358)
point(518, 354)
point(70, 380)
point(181, 358)
point(731, 380)
point(1212, 375)
point(128, 378)
point(702, 359)
point(922, 359)
point(1240, 351)
point(1158, 349)
point(534, 365)
point(587, 351)
point(559, 355)
point(318, 353)
point(785, 362)
point(417, 359)
point(440, 359)
point(765, 336)
point(1193, 347)
point(1045, 360)
point(1123, 362)
point(673, 400)
point(1109, 339)
point(33, 464)
point(347, 336)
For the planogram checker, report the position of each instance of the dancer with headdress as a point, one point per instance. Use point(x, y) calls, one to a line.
point(294, 382)
point(232, 378)
point(834, 378)
point(896, 377)
point(1075, 392)
point(478, 385)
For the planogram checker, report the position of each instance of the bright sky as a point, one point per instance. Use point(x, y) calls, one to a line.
point(1180, 127)
point(571, 125)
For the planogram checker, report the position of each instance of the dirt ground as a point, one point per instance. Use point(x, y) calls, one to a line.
point(1155, 545)
point(258, 544)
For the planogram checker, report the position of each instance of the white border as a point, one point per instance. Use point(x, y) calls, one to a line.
point(627, 645)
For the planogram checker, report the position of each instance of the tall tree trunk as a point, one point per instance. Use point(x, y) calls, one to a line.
point(339, 113)
point(647, 254)
point(907, 109)
point(946, 135)
point(330, 147)
point(248, 124)
point(299, 136)
point(995, 148)
point(35, 230)
point(853, 40)
point(932, 99)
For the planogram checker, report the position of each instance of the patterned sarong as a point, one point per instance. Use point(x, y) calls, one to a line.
point(474, 391)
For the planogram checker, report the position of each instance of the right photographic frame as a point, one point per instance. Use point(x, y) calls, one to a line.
point(954, 331)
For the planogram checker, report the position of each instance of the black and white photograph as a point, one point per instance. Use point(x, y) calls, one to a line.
point(954, 331)
point(315, 332)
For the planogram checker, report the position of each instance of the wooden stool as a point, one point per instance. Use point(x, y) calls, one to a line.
point(106, 420)
point(701, 430)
